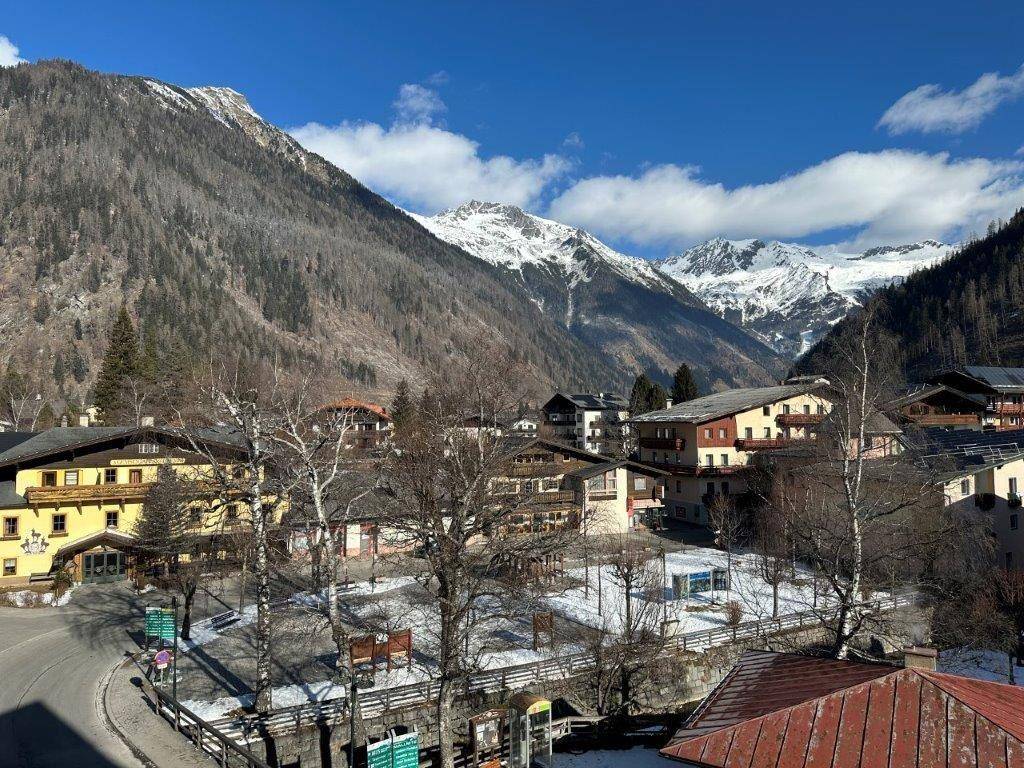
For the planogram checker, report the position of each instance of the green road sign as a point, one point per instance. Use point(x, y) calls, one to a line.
point(160, 623)
point(394, 752)
point(379, 755)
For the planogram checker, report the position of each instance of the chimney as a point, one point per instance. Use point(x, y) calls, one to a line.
point(83, 419)
point(917, 657)
point(147, 421)
point(668, 402)
point(63, 419)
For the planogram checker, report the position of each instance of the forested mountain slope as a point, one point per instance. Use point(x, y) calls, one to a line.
point(967, 309)
point(225, 238)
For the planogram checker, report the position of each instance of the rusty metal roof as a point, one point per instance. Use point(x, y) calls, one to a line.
point(764, 681)
point(907, 718)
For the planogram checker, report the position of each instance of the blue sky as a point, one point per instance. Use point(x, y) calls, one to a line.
point(654, 124)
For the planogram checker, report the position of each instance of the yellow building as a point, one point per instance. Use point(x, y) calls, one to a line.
point(70, 496)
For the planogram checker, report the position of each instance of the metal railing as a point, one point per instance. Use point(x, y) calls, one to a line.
point(222, 747)
point(376, 702)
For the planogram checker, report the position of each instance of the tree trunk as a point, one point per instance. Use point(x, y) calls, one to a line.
point(445, 731)
point(775, 599)
point(189, 593)
point(261, 575)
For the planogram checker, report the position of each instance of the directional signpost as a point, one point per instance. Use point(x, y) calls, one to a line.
point(394, 751)
point(160, 624)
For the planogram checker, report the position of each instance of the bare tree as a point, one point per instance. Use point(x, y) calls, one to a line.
point(772, 545)
point(728, 524)
point(450, 497)
point(239, 413)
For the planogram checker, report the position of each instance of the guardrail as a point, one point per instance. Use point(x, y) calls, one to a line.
point(376, 702)
point(207, 738)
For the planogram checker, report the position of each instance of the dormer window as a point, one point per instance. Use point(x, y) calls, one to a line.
point(148, 448)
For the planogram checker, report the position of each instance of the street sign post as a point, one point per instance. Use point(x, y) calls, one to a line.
point(394, 751)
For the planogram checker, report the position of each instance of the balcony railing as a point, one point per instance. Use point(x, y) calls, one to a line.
point(657, 492)
point(77, 494)
point(943, 419)
point(663, 443)
point(1000, 407)
point(798, 419)
point(768, 443)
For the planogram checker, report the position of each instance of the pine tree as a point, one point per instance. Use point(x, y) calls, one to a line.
point(683, 386)
point(640, 395)
point(401, 405)
point(657, 399)
point(120, 362)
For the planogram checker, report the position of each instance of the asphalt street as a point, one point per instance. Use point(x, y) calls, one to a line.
point(52, 664)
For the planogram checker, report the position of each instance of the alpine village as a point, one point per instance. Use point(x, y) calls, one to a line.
point(311, 457)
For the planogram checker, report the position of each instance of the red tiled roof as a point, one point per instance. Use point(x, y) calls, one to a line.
point(909, 718)
point(350, 403)
point(763, 682)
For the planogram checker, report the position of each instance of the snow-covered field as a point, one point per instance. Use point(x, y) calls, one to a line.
point(504, 624)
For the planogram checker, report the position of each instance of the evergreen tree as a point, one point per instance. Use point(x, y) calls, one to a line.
point(683, 386)
point(120, 362)
point(401, 405)
point(640, 395)
point(657, 399)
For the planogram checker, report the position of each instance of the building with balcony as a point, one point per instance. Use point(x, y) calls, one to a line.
point(706, 444)
point(1002, 389)
point(597, 423)
point(983, 471)
point(939, 405)
point(370, 425)
point(70, 497)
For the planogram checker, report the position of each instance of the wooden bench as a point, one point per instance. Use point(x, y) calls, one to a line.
point(222, 620)
point(36, 578)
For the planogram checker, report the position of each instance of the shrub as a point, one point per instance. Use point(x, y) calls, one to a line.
point(733, 613)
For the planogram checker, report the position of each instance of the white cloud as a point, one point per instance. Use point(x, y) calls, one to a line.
point(428, 168)
point(9, 53)
point(573, 141)
point(438, 78)
point(890, 196)
point(417, 104)
point(930, 109)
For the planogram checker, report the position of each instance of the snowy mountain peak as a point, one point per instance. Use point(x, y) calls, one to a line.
point(508, 236)
point(788, 293)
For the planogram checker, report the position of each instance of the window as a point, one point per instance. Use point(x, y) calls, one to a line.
point(1013, 485)
point(821, 410)
point(785, 408)
point(60, 523)
point(110, 476)
point(710, 489)
point(767, 433)
point(135, 476)
point(1013, 522)
point(766, 410)
point(10, 527)
point(707, 433)
point(725, 459)
point(807, 409)
point(71, 477)
point(528, 486)
point(111, 518)
point(709, 460)
point(725, 488)
point(748, 433)
point(149, 448)
point(603, 482)
point(679, 486)
point(49, 479)
point(10, 566)
point(965, 486)
point(233, 512)
point(721, 433)
point(640, 483)
point(1008, 560)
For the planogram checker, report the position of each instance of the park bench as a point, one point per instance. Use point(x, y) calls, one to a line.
point(35, 578)
point(222, 620)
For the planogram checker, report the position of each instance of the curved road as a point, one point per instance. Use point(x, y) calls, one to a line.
point(52, 664)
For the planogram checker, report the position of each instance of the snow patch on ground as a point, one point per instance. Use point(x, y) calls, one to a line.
point(638, 757)
point(27, 598)
point(203, 632)
point(979, 664)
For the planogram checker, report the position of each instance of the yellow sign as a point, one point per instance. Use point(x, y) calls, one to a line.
point(145, 462)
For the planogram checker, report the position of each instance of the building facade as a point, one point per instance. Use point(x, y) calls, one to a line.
point(370, 425)
point(70, 498)
point(707, 444)
point(598, 423)
point(939, 405)
point(1002, 389)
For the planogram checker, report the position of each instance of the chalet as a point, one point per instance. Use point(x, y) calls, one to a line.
point(1002, 388)
point(940, 405)
point(777, 709)
point(983, 470)
point(707, 443)
point(69, 497)
point(371, 424)
point(593, 422)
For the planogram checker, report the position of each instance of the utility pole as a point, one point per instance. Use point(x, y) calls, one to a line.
point(174, 666)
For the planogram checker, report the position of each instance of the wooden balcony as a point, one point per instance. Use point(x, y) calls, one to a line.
point(944, 419)
point(765, 443)
point(655, 493)
point(663, 443)
point(551, 497)
point(689, 470)
point(63, 495)
point(799, 419)
point(1011, 408)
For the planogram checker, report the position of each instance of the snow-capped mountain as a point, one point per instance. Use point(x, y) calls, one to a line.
point(624, 305)
point(790, 294)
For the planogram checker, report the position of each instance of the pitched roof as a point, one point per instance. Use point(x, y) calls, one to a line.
point(351, 404)
point(967, 450)
point(998, 377)
point(928, 390)
point(729, 402)
point(909, 717)
point(10, 439)
point(599, 402)
point(763, 681)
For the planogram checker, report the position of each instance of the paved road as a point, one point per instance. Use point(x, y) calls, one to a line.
point(52, 662)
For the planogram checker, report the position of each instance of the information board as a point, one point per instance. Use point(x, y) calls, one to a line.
point(406, 750)
point(700, 582)
point(378, 755)
point(160, 623)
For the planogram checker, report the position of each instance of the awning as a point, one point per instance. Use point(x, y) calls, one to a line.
point(108, 536)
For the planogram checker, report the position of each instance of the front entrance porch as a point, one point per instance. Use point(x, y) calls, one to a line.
point(98, 558)
point(103, 566)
